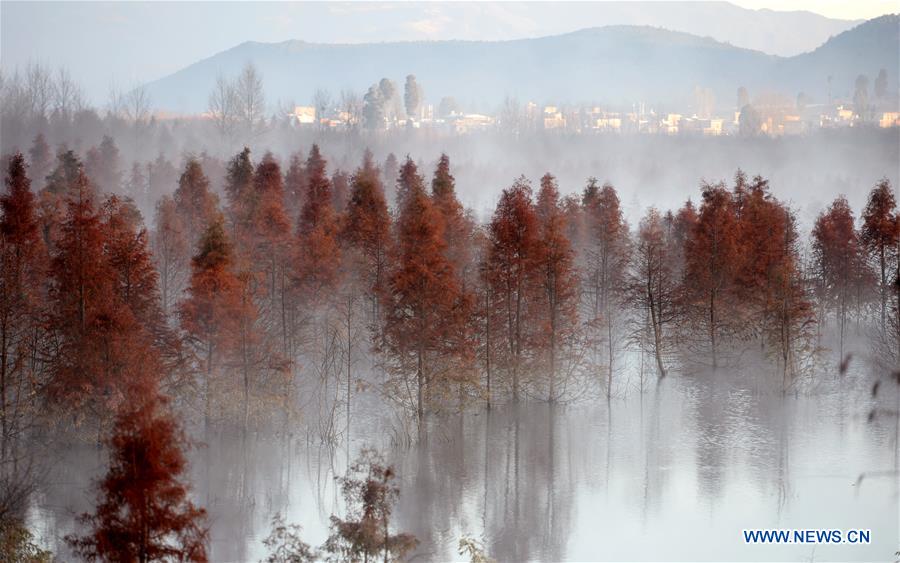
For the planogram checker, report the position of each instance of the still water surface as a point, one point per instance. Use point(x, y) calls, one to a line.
point(674, 474)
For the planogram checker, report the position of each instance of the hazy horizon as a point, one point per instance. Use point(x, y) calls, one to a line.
point(75, 34)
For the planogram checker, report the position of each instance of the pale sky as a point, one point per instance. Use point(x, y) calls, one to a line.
point(120, 44)
point(838, 9)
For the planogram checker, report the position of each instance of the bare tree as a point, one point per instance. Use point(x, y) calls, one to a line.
point(322, 102)
point(136, 104)
point(39, 88)
point(115, 101)
point(351, 107)
point(511, 116)
point(68, 97)
point(250, 99)
point(223, 106)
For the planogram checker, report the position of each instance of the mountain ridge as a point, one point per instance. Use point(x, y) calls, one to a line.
point(640, 58)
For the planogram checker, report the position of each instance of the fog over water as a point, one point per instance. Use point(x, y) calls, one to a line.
point(675, 473)
point(617, 294)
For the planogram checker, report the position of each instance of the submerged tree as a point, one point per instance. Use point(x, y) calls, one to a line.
point(285, 544)
point(143, 512)
point(22, 270)
point(558, 281)
point(209, 312)
point(318, 250)
point(880, 237)
point(424, 307)
point(365, 533)
point(652, 285)
point(511, 262)
point(835, 250)
point(711, 253)
point(604, 267)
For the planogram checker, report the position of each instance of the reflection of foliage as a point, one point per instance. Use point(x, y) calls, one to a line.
point(474, 550)
point(370, 495)
point(285, 545)
point(877, 412)
point(17, 544)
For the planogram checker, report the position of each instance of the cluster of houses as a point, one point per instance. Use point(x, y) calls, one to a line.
point(774, 121)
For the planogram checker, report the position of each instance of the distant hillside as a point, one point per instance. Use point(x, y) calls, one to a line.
point(613, 65)
point(865, 49)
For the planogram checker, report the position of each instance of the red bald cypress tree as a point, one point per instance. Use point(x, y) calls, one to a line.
point(340, 191)
point(712, 259)
point(85, 314)
point(835, 246)
point(209, 312)
point(295, 185)
point(880, 237)
point(241, 200)
point(424, 308)
point(143, 512)
point(558, 282)
point(652, 283)
point(22, 270)
point(457, 226)
point(512, 260)
point(127, 248)
point(273, 250)
point(194, 201)
point(318, 251)
point(606, 253)
point(366, 229)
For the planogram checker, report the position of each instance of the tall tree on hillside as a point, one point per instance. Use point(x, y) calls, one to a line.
point(512, 258)
point(558, 280)
point(424, 307)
